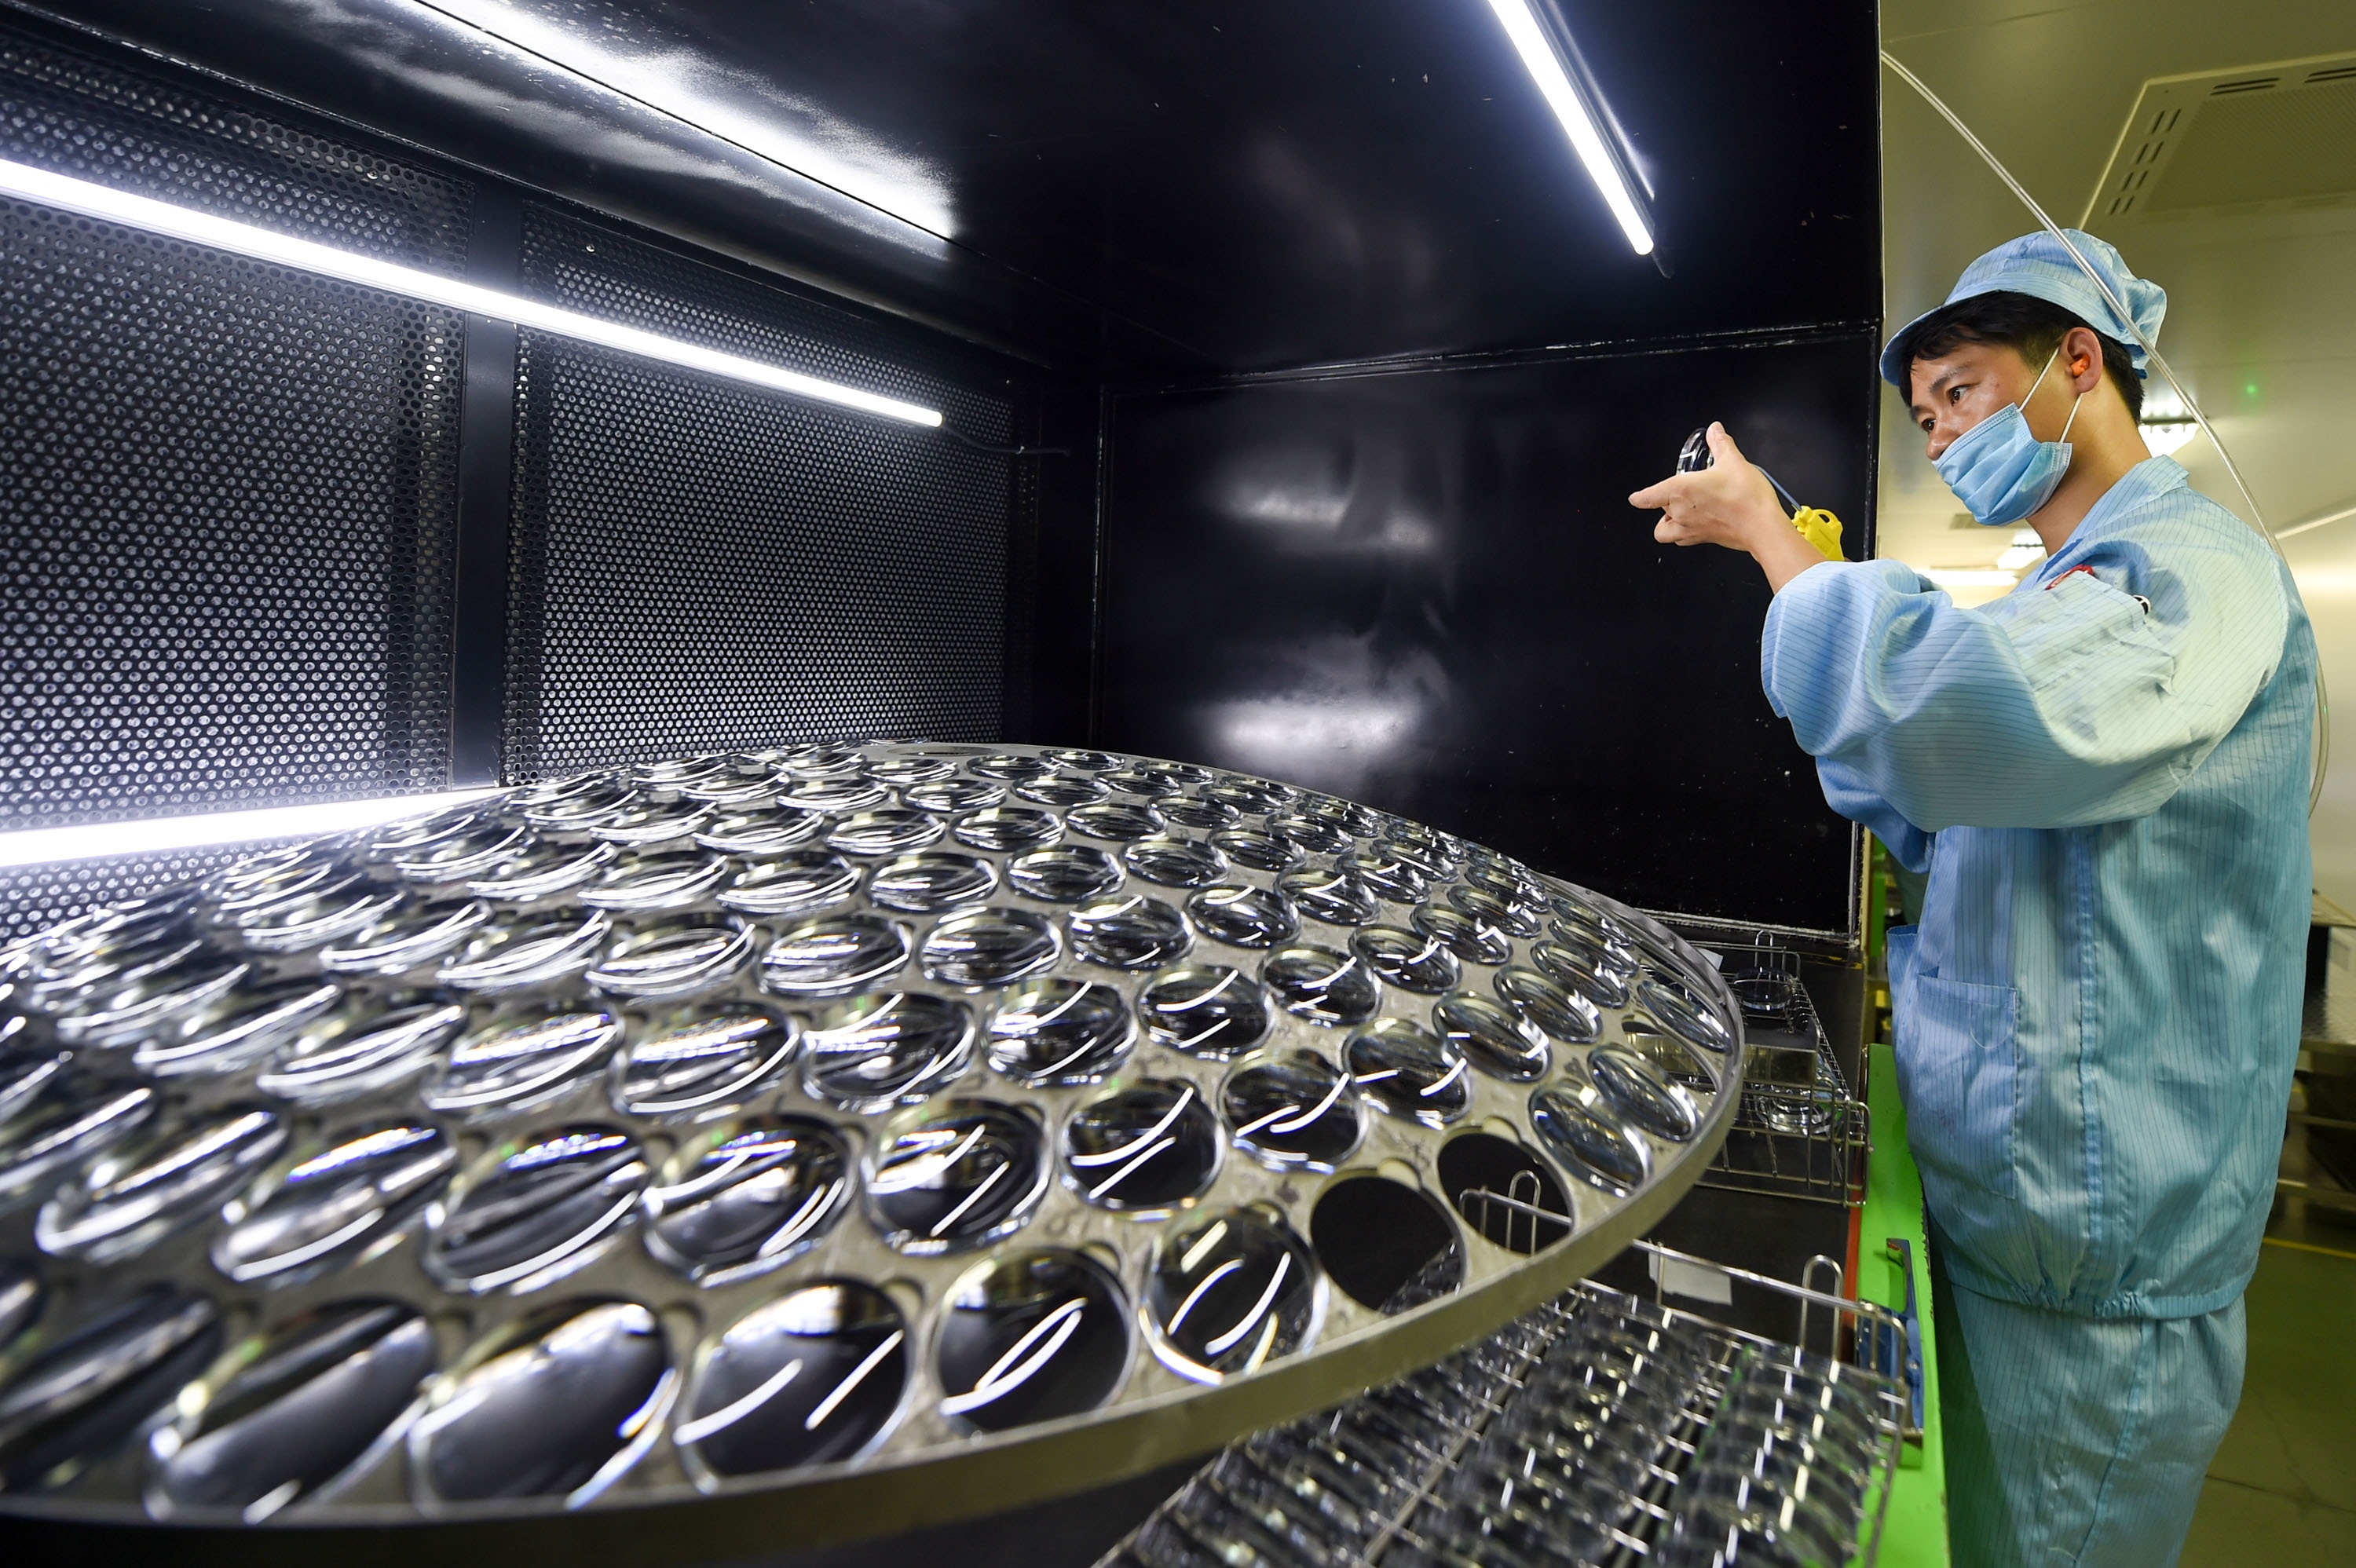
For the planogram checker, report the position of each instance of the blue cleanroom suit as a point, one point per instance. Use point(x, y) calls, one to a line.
point(2106, 775)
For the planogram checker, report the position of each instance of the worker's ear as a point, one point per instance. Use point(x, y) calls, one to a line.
point(2082, 358)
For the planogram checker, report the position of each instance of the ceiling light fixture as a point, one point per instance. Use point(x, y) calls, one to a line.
point(2025, 551)
point(2340, 515)
point(160, 217)
point(160, 834)
point(1581, 119)
point(2162, 437)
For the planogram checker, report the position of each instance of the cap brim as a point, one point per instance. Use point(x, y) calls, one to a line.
point(1893, 360)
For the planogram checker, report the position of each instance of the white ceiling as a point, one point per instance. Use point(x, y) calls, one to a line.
point(2262, 305)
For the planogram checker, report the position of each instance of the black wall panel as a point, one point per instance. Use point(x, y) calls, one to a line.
point(1426, 591)
point(233, 511)
point(1052, 606)
point(227, 491)
point(698, 565)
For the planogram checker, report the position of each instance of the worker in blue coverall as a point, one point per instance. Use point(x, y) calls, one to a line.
point(2105, 773)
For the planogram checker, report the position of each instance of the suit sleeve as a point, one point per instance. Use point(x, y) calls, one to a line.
point(2076, 705)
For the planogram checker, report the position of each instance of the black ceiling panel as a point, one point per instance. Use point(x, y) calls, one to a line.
point(1211, 184)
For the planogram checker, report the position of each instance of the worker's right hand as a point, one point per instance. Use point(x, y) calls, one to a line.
point(1730, 503)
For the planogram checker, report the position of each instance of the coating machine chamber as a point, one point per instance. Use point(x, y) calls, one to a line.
point(706, 1153)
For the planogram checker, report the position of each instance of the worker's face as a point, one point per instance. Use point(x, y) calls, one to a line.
point(1950, 394)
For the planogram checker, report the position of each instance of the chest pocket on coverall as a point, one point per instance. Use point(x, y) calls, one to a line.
point(1959, 1071)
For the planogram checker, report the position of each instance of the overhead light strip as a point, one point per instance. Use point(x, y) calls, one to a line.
point(161, 834)
point(1545, 66)
point(161, 217)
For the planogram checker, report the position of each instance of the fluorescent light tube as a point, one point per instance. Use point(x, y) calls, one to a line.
point(156, 835)
point(172, 222)
point(1970, 577)
point(1586, 137)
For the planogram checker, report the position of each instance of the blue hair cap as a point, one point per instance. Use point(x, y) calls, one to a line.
point(2037, 264)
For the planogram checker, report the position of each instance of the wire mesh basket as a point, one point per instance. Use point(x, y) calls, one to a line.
point(1802, 1129)
point(1603, 1431)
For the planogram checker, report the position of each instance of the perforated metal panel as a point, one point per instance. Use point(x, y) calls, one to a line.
point(33, 897)
point(227, 490)
point(143, 130)
point(700, 565)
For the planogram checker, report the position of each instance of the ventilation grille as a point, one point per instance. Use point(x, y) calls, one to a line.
point(34, 897)
point(227, 490)
point(75, 113)
point(698, 565)
point(2249, 138)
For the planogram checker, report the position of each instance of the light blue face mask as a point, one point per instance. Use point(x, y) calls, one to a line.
point(2001, 472)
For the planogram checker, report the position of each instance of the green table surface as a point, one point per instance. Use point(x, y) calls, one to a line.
point(1915, 1534)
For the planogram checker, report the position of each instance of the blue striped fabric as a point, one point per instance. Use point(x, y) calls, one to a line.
point(2097, 1019)
point(2077, 1442)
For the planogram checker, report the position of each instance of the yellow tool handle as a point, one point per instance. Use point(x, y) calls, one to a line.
point(1820, 528)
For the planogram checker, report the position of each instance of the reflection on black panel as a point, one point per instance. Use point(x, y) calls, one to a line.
point(1425, 590)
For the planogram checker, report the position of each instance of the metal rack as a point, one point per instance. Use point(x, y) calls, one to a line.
point(1578, 1435)
point(1801, 1129)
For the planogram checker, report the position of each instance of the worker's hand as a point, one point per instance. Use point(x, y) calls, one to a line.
point(1730, 503)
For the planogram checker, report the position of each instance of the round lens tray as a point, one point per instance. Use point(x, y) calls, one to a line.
point(760, 1149)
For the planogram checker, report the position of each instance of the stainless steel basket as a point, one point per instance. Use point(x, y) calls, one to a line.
point(1803, 1130)
point(1600, 1432)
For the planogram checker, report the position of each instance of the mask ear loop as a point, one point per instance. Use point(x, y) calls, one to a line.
point(2040, 377)
point(2023, 404)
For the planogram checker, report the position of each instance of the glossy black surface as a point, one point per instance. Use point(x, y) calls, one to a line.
point(1426, 591)
point(1221, 186)
point(1377, 1238)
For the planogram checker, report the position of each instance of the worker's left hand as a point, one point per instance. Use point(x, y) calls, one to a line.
point(1730, 503)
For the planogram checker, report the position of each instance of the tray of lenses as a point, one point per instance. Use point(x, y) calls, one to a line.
point(699, 1134)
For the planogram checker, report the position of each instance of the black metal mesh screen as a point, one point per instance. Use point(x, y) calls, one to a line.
point(699, 564)
point(158, 135)
point(33, 897)
point(227, 490)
